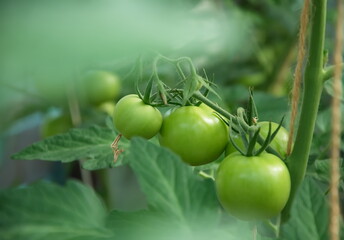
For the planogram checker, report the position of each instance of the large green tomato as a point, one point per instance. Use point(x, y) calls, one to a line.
point(101, 86)
point(195, 134)
point(252, 188)
point(280, 141)
point(56, 125)
point(132, 117)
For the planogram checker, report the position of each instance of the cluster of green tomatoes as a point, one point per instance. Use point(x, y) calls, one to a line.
point(249, 187)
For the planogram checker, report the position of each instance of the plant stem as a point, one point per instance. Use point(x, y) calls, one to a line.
point(313, 85)
point(206, 175)
point(74, 108)
point(218, 109)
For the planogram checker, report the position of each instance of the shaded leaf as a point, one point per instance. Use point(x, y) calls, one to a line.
point(276, 108)
point(48, 211)
point(309, 214)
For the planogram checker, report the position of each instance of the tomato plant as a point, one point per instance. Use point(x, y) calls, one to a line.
point(132, 117)
point(101, 86)
point(255, 187)
point(196, 134)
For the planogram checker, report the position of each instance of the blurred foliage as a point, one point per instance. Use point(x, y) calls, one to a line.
point(48, 46)
point(180, 205)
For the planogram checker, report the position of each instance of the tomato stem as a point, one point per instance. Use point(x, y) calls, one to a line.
point(329, 72)
point(313, 84)
point(206, 175)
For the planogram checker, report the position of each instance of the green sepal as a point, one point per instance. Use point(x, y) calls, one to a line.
point(148, 92)
point(252, 109)
point(252, 143)
point(266, 142)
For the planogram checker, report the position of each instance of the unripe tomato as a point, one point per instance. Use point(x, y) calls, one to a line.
point(101, 86)
point(107, 107)
point(252, 188)
point(198, 136)
point(132, 117)
point(56, 125)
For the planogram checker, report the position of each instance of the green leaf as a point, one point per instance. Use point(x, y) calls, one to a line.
point(49, 211)
point(144, 225)
point(323, 123)
point(170, 185)
point(320, 170)
point(309, 214)
point(150, 225)
point(93, 145)
point(328, 86)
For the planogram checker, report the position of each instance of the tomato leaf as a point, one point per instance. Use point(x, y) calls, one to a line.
point(309, 214)
point(92, 145)
point(150, 225)
point(320, 170)
point(49, 211)
point(143, 225)
point(170, 185)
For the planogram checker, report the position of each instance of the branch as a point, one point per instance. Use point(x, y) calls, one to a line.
point(328, 72)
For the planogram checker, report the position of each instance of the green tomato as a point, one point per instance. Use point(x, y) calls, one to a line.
point(280, 141)
point(253, 188)
point(132, 117)
point(198, 136)
point(101, 86)
point(107, 107)
point(56, 125)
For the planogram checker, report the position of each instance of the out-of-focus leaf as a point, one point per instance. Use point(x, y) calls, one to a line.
point(91, 144)
point(270, 108)
point(48, 211)
point(309, 214)
point(328, 86)
point(320, 170)
point(323, 123)
point(150, 225)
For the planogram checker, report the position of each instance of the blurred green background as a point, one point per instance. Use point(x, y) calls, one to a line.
point(48, 47)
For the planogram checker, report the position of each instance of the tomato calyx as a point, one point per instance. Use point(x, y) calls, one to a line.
point(251, 137)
